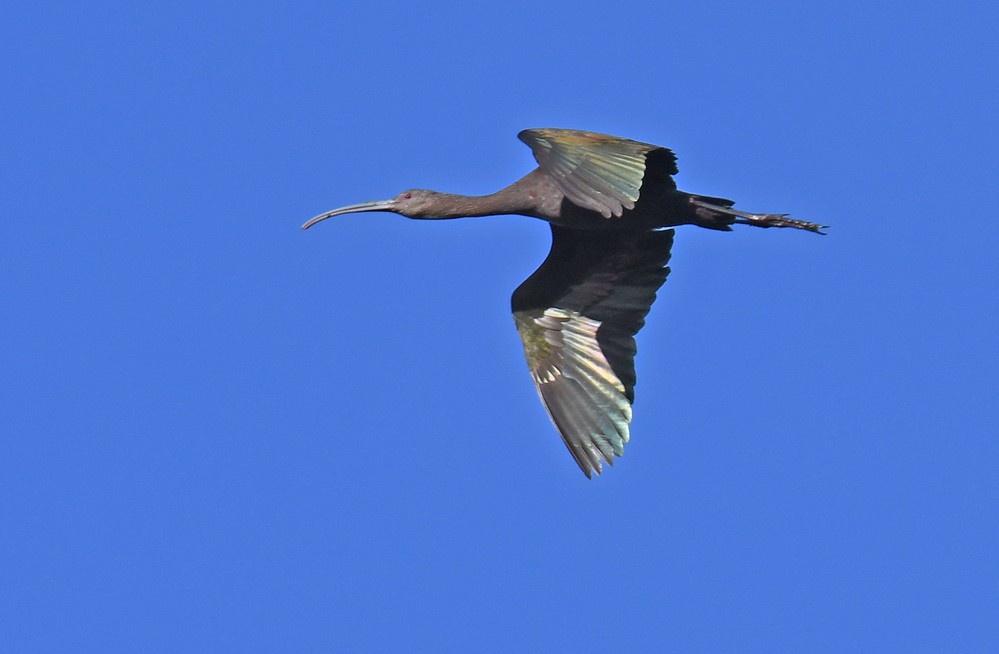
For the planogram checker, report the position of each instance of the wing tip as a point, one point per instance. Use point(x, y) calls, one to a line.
point(530, 136)
point(593, 463)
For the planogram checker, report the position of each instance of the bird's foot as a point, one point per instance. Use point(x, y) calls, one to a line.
point(780, 220)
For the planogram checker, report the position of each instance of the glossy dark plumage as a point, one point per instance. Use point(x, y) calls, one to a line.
point(608, 200)
point(578, 315)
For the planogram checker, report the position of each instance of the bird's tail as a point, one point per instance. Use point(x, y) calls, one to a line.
point(708, 216)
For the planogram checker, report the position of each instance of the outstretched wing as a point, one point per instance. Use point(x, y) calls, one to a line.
point(578, 315)
point(595, 171)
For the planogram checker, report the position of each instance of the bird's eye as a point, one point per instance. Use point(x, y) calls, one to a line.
point(406, 196)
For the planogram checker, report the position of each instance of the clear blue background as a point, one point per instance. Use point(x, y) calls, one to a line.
point(220, 433)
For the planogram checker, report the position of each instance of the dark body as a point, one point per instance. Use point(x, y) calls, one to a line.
point(658, 206)
point(609, 202)
point(536, 194)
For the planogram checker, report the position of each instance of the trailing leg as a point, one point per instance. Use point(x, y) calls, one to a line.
point(729, 215)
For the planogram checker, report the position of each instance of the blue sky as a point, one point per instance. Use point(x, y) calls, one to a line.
point(220, 433)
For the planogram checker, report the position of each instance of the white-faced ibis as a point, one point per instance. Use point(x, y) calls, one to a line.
point(608, 201)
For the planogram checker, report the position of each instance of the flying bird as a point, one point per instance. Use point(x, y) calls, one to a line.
point(609, 202)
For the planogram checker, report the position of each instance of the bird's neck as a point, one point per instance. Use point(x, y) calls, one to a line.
point(518, 198)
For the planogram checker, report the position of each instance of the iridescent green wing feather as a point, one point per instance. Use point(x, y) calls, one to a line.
point(595, 171)
point(577, 316)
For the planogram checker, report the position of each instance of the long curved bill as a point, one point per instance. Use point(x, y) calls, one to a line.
point(377, 205)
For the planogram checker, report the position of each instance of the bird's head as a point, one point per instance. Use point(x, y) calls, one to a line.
point(414, 203)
